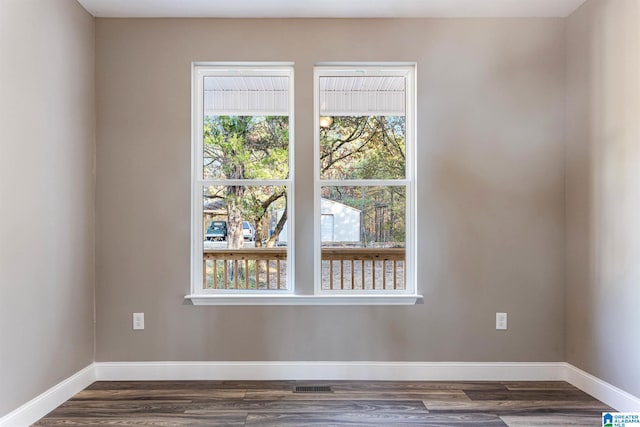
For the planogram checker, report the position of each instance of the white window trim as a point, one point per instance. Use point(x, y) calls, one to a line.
point(198, 294)
point(407, 70)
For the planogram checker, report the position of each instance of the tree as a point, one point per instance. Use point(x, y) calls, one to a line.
point(363, 147)
point(353, 147)
point(367, 147)
point(247, 147)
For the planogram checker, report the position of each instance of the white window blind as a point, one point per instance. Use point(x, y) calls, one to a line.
point(362, 96)
point(246, 96)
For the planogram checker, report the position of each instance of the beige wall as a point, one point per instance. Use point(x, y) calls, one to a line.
point(46, 195)
point(603, 191)
point(490, 197)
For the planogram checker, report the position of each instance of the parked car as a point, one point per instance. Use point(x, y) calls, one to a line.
point(248, 231)
point(217, 231)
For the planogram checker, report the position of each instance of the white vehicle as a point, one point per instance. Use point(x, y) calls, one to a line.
point(248, 231)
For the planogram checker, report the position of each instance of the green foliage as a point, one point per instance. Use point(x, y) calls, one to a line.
point(364, 147)
point(246, 147)
point(368, 147)
point(257, 147)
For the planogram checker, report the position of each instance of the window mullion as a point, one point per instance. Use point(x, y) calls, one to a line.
point(252, 182)
point(364, 182)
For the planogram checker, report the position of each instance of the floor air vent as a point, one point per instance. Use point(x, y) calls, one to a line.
point(312, 389)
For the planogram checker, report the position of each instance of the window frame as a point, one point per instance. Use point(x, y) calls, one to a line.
point(200, 70)
point(200, 296)
point(408, 71)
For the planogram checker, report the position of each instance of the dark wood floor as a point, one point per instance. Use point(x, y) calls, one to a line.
point(273, 403)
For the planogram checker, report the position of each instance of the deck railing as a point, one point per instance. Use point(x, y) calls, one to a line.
point(342, 269)
point(251, 268)
point(363, 268)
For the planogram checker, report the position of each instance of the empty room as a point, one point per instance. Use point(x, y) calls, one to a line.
point(286, 213)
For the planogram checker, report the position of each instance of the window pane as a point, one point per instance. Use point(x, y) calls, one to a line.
point(362, 147)
point(363, 216)
point(244, 237)
point(362, 127)
point(363, 237)
point(246, 147)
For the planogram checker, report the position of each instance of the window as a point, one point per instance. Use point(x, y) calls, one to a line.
point(364, 185)
point(242, 186)
point(242, 179)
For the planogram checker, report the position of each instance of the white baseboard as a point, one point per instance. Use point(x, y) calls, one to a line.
point(374, 371)
point(601, 390)
point(41, 405)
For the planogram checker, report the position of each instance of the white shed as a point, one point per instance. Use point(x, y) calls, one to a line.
point(338, 223)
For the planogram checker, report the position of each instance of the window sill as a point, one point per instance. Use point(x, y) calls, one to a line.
point(303, 299)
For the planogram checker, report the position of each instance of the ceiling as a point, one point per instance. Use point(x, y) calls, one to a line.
point(329, 8)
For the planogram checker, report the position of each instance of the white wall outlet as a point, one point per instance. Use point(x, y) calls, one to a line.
point(501, 321)
point(138, 321)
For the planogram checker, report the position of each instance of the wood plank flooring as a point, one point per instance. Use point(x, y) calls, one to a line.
point(350, 403)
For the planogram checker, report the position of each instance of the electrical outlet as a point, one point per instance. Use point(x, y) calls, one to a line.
point(138, 321)
point(501, 321)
